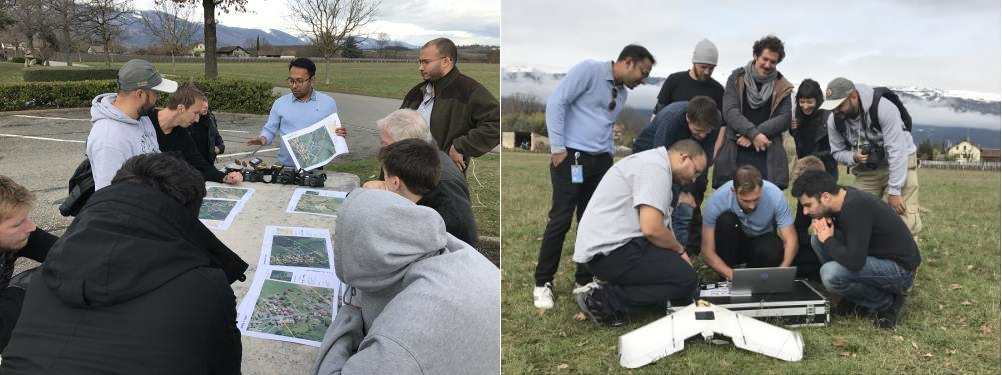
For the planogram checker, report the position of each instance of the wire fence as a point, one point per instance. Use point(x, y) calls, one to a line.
point(979, 166)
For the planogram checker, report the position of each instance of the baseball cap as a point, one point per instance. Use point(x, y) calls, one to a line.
point(140, 74)
point(838, 90)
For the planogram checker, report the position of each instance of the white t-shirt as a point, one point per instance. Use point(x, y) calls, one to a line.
point(613, 215)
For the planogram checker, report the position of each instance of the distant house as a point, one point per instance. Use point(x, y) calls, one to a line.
point(232, 51)
point(198, 50)
point(280, 53)
point(95, 49)
point(991, 155)
point(525, 140)
point(965, 151)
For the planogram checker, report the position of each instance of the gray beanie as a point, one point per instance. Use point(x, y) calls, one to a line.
point(705, 53)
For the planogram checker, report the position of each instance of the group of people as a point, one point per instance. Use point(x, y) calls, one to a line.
point(137, 284)
point(641, 218)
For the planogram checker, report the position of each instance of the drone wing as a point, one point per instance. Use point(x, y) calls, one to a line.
point(760, 337)
point(658, 339)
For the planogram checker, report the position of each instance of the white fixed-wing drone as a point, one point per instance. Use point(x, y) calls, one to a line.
point(667, 335)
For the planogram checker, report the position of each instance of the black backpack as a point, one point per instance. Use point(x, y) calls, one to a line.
point(81, 187)
point(880, 92)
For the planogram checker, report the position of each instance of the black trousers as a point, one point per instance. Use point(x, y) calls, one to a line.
point(640, 275)
point(11, 300)
point(568, 197)
point(696, 225)
point(735, 248)
point(806, 261)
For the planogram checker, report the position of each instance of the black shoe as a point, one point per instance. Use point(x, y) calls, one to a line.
point(590, 302)
point(889, 318)
point(845, 307)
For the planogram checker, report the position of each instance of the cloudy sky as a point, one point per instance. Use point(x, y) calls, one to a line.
point(926, 43)
point(412, 21)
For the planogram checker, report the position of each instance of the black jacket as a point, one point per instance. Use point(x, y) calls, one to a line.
point(811, 134)
point(136, 285)
point(205, 133)
point(451, 199)
point(180, 141)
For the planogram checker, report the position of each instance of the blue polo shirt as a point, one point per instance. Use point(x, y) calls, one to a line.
point(772, 212)
point(577, 113)
point(289, 115)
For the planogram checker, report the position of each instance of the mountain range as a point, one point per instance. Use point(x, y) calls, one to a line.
point(138, 37)
point(942, 116)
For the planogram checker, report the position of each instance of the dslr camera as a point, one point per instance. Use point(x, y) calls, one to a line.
point(875, 155)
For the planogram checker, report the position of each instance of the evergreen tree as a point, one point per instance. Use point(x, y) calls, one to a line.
point(350, 49)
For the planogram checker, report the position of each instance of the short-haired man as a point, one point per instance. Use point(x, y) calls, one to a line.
point(183, 110)
point(882, 154)
point(297, 110)
point(807, 262)
point(624, 236)
point(697, 119)
point(757, 113)
point(740, 225)
point(450, 196)
point(136, 285)
point(698, 80)
point(119, 131)
point(868, 256)
point(19, 237)
point(205, 133)
point(464, 116)
point(411, 168)
point(579, 118)
point(417, 301)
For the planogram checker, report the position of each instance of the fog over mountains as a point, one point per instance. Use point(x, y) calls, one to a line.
point(940, 115)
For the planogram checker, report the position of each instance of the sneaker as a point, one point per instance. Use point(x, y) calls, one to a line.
point(590, 302)
point(578, 288)
point(889, 318)
point(845, 307)
point(542, 296)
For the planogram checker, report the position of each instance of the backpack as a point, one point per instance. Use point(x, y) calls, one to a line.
point(81, 187)
point(880, 92)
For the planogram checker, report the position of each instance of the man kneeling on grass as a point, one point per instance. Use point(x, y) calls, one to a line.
point(867, 254)
point(625, 238)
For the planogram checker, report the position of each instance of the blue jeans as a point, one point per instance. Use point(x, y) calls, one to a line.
point(874, 286)
point(681, 217)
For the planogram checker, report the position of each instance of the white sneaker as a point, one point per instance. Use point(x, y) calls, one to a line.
point(578, 288)
point(542, 296)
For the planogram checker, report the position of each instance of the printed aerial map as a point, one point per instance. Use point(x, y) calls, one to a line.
point(299, 252)
point(293, 310)
point(224, 192)
point(315, 203)
point(215, 209)
point(312, 148)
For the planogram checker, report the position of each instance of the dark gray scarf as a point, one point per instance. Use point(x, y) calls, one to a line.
point(756, 98)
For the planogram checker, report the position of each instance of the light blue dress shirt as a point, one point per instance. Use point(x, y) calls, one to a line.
point(289, 115)
point(577, 113)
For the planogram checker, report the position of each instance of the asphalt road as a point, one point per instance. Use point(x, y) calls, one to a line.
point(40, 149)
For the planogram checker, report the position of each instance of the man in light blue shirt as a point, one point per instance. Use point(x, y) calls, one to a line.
point(740, 225)
point(579, 118)
point(297, 110)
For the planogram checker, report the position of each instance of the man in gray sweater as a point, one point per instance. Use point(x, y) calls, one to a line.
point(419, 300)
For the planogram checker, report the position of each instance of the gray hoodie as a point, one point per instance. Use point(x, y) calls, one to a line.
point(114, 138)
point(420, 301)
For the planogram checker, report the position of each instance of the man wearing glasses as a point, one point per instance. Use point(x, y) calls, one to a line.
point(579, 118)
point(624, 238)
point(464, 116)
point(297, 110)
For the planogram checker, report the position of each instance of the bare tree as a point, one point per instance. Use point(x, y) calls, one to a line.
point(328, 23)
point(382, 40)
point(170, 24)
point(32, 22)
point(66, 20)
point(209, 8)
point(105, 21)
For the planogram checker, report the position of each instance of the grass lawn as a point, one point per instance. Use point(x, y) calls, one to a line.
point(483, 179)
point(950, 324)
point(390, 80)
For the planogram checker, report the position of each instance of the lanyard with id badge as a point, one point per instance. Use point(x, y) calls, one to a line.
point(577, 170)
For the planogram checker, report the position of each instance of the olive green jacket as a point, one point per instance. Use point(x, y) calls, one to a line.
point(465, 114)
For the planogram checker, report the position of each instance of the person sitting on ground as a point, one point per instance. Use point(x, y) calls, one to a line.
point(182, 110)
point(418, 301)
point(807, 262)
point(868, 255)
point(205, 133)
point(450, 196)
point(19, 237)
point(624, 237)
point(740, 225)
point(697, 119)
point(136, 285)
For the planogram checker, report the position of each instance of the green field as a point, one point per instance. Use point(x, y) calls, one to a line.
point(387, 80)
point(950, 324)
point(483, 178)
